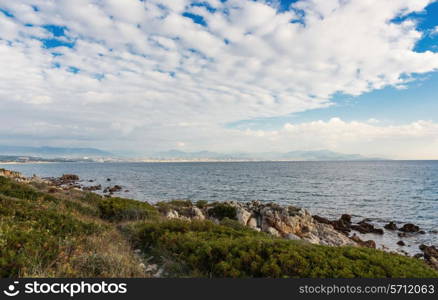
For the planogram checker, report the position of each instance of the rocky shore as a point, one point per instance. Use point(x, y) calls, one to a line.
point(287, 222)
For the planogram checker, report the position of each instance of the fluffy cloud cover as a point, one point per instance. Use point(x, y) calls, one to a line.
point(153, 75)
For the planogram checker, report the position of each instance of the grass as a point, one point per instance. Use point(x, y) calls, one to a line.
point(59, 235)
point(49, 232)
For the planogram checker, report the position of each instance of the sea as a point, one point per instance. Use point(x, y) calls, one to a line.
point(380, 191)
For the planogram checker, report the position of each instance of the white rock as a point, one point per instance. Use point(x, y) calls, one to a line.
point(273, 231)
point(198, 215)
point(292, 237)
point(172, 214)
point(242, 215)
point(252, 223)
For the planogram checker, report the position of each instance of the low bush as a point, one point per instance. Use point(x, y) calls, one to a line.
point(222, 210)
point(202, 248)
point(119, 209)
point(201, 203)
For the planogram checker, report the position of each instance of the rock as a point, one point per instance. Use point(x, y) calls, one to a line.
point(429, 251)
point(197, 213)
point(322, 220)
point(242, 215)
point(419, 255)
point(273, 231)
point(159, 273)
point(252, 223)
point(391, 226)
point(401, 243)
point(152, 268)
point(378, 231)
point(92, 188)
point(343, 224)
point(292, 237)
point(172, 214)
point(364, 227)
point(112, 189)
point(402, 234)
point(346, 218)
point(422, 232)
point(108, 179)
point(410, 228)
point(367, 244)
point(69, 177)
point(430, 255)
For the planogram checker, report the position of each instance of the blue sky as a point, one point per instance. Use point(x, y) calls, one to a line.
point(237, 75)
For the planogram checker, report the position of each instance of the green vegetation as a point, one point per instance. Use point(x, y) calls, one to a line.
point(48, 235)
point(119, 209)
point(50, 232)
point(202, 248)
point(222, 210)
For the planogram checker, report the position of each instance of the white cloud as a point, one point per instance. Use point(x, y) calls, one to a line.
point(416, 140)
point(143, 66)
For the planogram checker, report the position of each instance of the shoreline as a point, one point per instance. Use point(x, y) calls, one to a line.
point(204, 225)
point(362, 230)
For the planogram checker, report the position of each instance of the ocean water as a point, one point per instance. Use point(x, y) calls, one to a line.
point(400, 191)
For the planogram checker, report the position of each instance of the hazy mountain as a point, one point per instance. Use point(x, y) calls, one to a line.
point(319, 155)
point(52, 151)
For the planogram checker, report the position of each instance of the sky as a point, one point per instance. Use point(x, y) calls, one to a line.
point(134, 77)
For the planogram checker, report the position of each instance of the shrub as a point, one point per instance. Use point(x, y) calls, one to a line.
point(201, 204)
point(31, 235)
point(210, 250)
point(222, 210)
point(119, 209)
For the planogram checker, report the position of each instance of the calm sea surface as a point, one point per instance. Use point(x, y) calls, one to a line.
point(401, 191)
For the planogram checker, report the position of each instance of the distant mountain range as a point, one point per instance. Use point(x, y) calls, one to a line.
point(52, 151)
point(59, 153)
point(319, 155)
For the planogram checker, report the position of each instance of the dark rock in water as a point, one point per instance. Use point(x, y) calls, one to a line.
point(346, 218)
point(364, 227)
point(108, 179)
point(112, 189)
point(410, 228)
point(92, 188)
point(402, 234)
point(401, 243)
point(391, 226)
point(419, 255)
point(368, 244)
point(69, 177)
point(91, 180)
point(126, 191)
point(378, 231)
point(422, 232)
